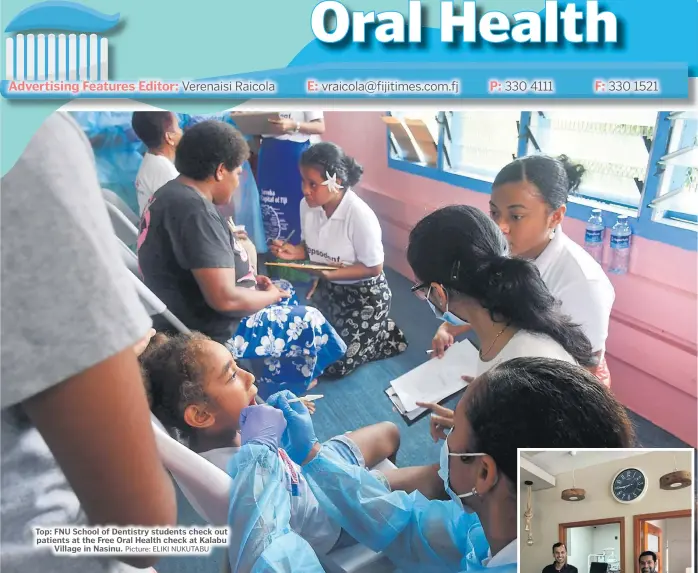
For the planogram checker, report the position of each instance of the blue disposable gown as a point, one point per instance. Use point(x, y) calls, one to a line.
point(118, 151)
point(415, 533)
point(261, 540)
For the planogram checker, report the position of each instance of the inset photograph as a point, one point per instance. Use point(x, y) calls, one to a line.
point(607, 511)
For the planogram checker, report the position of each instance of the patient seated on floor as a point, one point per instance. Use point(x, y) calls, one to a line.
point(195, 387)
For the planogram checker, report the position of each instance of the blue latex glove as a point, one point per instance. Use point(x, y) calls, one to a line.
point(262, 425)
point(299, 437)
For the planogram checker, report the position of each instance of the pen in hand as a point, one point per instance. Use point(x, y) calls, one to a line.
point(287, 239)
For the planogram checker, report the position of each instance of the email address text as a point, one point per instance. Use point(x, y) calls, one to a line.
point(381, 87)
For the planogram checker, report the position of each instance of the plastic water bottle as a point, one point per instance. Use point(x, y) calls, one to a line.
point(620, 246)
point(593, 239)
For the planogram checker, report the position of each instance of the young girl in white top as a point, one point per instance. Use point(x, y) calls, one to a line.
point(528, 203)
point(339, 229)
point(160, 133)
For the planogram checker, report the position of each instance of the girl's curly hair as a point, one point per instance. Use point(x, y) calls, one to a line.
point(173, 378)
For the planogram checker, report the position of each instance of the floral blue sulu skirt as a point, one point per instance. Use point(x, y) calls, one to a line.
point(290, 344)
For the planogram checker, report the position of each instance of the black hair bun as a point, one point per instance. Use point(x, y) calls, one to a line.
point(500, 277)
point(574, 172)
point(354, 170)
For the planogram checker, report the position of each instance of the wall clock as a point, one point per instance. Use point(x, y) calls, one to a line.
point(629, 485)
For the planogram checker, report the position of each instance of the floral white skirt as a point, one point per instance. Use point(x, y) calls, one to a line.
point(295, 343)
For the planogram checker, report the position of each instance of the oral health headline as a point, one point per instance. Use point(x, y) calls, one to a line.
point(464, 21)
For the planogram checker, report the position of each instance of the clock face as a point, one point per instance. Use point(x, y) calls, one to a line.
point(629, 485)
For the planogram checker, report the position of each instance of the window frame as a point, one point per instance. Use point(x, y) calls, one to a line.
point(677, 217)
point(640, 218)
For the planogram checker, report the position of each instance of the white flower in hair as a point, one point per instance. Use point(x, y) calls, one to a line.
point(331, 183)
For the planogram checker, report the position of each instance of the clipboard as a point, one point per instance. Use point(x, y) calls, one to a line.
point(255, 122)
point(409, 417)
point(301, 266)
point(416, 415)
point(433, 381)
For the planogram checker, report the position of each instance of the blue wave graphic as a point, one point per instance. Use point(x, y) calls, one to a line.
point(62, 16)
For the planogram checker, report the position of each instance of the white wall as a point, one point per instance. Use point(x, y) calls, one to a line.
point(585, 541)
point(607, 537)
point(677, 537)
point(580, 545)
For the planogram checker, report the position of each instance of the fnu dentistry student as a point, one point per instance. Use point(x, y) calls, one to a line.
point(339, 229)
point(476, 530)
point(528, 202)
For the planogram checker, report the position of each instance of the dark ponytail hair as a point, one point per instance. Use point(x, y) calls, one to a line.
point(543, 403)
point(328, 157)
point(173, 378)
point(555, 178)
point(461, 248)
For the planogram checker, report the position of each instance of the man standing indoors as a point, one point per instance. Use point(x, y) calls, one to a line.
point(560, 565)
point(648, 562)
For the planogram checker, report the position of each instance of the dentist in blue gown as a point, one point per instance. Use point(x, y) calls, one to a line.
point(517, 403)
point(415, 533)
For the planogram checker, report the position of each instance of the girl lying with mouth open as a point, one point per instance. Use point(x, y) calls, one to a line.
point(196, 388)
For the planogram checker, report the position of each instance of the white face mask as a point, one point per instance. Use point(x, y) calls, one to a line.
point(444, 473)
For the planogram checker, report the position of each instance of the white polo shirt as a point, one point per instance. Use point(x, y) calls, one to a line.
point(154, 172)
point(351, 235)
point(579, 282)
point(300, 117)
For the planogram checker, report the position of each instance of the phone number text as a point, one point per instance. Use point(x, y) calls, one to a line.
point(495, 86)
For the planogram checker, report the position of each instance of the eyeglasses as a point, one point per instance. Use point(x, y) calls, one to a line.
point(421, 290)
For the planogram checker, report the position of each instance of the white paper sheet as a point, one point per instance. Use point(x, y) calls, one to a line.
point(437, 379)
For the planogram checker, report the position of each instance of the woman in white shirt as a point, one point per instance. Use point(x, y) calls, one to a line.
point(528, 202)
point(467, 276)
point(338, 228)
point(278, 177)
point(160, 133)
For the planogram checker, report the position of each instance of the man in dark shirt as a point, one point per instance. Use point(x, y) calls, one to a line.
point(188, 255)
point(560, 564)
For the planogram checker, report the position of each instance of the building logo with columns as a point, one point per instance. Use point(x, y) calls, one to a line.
point(58, 41)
